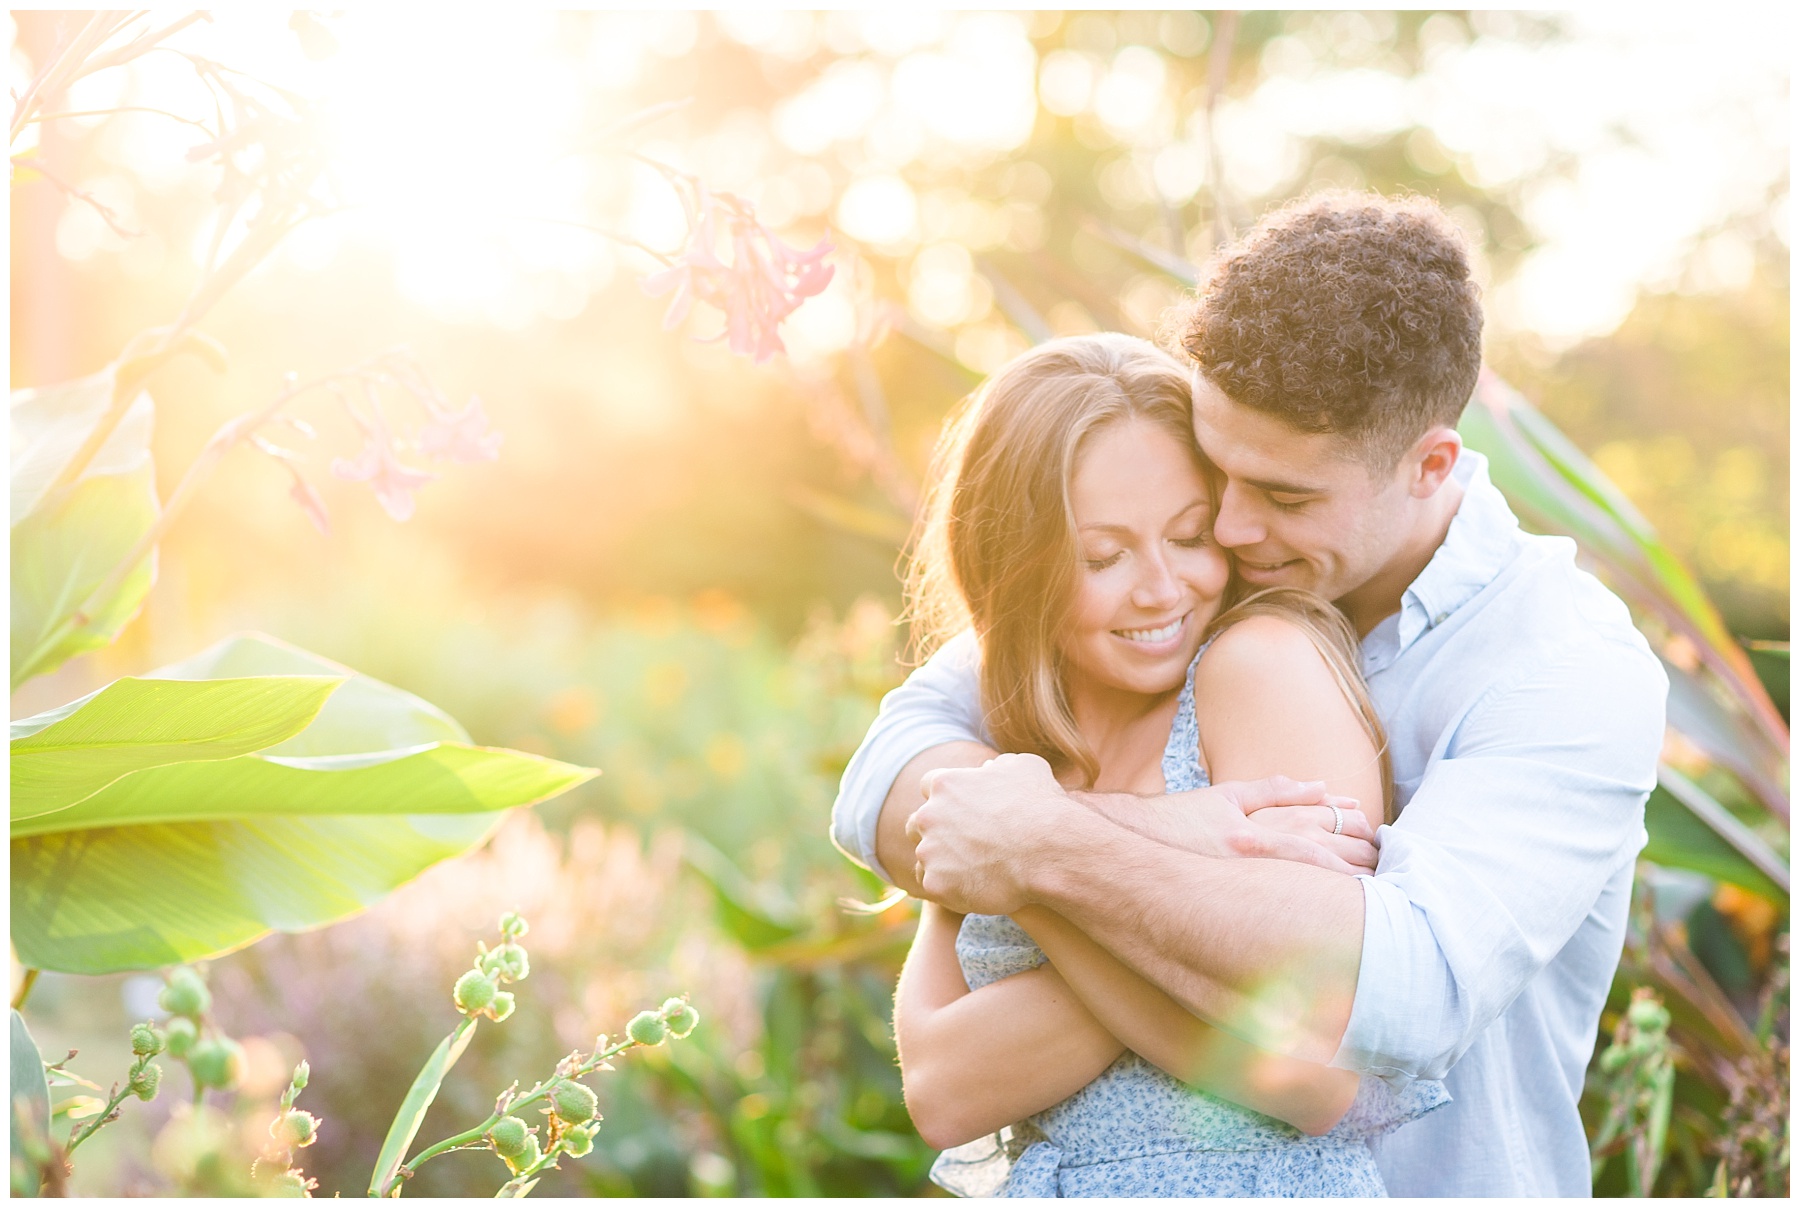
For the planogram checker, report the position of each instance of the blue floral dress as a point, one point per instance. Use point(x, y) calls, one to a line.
point(1136, 1131)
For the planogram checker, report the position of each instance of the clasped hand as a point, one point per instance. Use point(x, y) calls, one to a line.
point(984, 833)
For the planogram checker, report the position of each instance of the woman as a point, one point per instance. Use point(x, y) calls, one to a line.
point(1070, 525)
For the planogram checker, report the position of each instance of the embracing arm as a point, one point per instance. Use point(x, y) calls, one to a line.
point(972, 1062)
point(1500, 856)
point(1310, 1097)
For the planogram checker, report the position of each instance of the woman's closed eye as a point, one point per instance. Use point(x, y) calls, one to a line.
point(1199, 540)
point(1104, 560)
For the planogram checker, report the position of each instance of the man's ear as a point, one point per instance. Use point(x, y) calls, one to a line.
point(1430, 461)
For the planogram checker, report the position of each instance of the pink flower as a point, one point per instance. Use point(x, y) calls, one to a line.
point(765, 282)
point(392, 481)
point(459, 436)
point(311, 504)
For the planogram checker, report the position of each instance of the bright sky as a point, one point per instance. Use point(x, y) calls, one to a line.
point(452, 134)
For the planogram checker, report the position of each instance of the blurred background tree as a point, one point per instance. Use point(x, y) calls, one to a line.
point(661, 574)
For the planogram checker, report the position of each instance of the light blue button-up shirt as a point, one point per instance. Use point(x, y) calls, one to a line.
point(1524, 715)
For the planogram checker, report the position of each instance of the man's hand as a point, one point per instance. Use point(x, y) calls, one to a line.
point(1273, 819)
point(980, 828)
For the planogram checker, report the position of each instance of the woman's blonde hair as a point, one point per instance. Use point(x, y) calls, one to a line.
point(995, 547)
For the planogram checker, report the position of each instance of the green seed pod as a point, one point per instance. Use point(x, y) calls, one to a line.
point(501, 1007)
point(530, 1157)
point(145, 1040)
point(512, 926)
point(143, 1083)
point(180, 1036)
point(579, 1142)
point(508, 962)
point(474, 990)
point(302, 1072)
point(186, 994)
point(647, 1027)
point(298, 1128)
point(509, 1136)
point(1612, 1059)
point(574, 1102)
point(680, 1017)
point(1648, 1015)
point(289, 1184)
point(215, 1063)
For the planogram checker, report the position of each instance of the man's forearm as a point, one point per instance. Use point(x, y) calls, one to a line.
point(894, 848)
point(1266, 949)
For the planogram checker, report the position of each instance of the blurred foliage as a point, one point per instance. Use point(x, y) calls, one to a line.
point(681, 567)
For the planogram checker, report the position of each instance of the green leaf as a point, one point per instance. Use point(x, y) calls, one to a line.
point(134, 724)
point(30, 1098)
point(1178, 267)
point(66, 541)
point(757, 916)
point(1555, 488)
point(417, 1102)
point(185, 860)
point(1689, 829)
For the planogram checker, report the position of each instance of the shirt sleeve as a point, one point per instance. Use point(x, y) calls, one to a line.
point(1501, 854)
point(938, 703)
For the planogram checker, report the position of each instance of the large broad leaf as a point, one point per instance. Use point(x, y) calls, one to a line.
point(419, 1098)
point(130, 725)
point(66, 541)
point(29, 1096)
point(196, 856)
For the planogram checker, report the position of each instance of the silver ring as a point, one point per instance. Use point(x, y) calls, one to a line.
point(1337, 817)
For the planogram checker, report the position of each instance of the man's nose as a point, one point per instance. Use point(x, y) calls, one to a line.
point(1236, 524)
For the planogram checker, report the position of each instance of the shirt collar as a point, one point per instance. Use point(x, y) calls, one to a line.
point(1483, 538)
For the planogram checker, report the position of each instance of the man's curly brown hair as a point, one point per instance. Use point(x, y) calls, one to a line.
point(1344, 312)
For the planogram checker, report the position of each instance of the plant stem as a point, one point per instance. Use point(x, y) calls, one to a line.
point(229, 435)
point(535, 1094)
point(118, 1097)
point(30, 980)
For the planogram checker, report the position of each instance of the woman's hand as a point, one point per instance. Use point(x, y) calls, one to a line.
point(1273, 819)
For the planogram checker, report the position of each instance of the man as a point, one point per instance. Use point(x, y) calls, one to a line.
point(1334, 351)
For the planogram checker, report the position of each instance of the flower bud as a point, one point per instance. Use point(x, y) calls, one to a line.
point(512, 926)
point(474, 990)
point(145, 1040)
point(180, 1036)
point(574, 1102)
point(143, 1082)
point(508, 962)
point(290, 1184)
point(215, 1063)
point(680, 1017)
point(647, 1027)
point(508, 1136)
point(302, 1072)
point(1648, 1015)
point(185, 994)
point(501, 1007)
point(296, 1128)
point(579, 1142)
